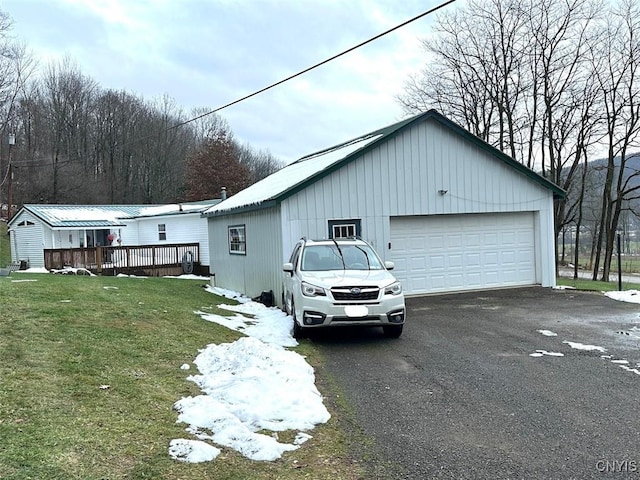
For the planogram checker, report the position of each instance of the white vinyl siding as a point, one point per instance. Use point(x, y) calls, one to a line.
point(27, 241)
point(403, 176)
point(261, 268)
point(424, 170)
point(186, 228)
point(447, 253)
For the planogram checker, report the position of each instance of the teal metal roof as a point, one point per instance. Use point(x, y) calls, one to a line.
point(302, 173)
point(72, 225)
point(105, 216)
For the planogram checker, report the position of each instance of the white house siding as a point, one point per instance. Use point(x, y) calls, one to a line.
point(129, 233)
point(185, 228)
point(26, 241)
point(261, 268)
point(63, 239)
point(403, 177)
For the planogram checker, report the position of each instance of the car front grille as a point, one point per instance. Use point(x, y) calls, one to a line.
point(369, 318)
point(355, 294)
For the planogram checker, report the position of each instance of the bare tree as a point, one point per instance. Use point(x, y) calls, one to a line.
point(16, 66)
point(562, 34)
point(260, 163)
point(66, 100)
point(515, 73)
point(78, 143)
point(616, 66)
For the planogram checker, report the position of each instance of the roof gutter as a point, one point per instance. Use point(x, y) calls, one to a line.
point(244, 209)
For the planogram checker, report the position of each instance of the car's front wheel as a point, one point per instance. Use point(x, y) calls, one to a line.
point(392, 331)
point(298, 331)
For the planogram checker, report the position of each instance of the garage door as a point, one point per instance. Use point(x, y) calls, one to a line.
point(443, 253)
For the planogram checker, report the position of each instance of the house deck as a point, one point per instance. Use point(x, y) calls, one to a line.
point(148, 260)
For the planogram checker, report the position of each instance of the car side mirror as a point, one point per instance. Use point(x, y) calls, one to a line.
point(389, 265)
point(288, 267)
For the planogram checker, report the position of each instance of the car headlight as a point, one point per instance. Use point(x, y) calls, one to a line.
point(393, 289)
point(309, 290)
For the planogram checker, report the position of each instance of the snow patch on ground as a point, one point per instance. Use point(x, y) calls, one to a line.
point(72, 271)
point(188, 276)
point(542, 353)
point(222, 292)
point(548, 333)
point(269, 324)
point(631, 296)
point(33, 270)
point(192, 451)
point(589, 348)
point(251, 386)
point(629, 369)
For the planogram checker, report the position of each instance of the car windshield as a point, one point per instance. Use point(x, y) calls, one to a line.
point(341, 257)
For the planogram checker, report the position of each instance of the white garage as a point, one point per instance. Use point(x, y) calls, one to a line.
point(447, 253)
point(453, 213)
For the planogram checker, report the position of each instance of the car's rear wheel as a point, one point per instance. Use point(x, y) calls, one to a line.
point(298, 331)
point(392, 331)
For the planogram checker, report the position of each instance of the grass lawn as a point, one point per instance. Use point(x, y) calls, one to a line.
point(584, 284)
point(62, 337)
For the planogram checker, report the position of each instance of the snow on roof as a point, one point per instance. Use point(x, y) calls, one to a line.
point(81, 216)
point(292, 175)
point(157, 210)
point(71, 215)
point(304, 169)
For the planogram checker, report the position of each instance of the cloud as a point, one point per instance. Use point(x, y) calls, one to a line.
point(210, 53)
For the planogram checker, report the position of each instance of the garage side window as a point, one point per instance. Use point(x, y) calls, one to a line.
point(237, 240)
point(345, 228)
point(162, 231)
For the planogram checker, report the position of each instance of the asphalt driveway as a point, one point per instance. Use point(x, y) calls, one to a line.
point(460, 396)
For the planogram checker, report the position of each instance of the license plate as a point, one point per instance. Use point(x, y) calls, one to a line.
point(356, 311)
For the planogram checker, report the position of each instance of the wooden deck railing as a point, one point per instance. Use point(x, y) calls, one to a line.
point(141, 257)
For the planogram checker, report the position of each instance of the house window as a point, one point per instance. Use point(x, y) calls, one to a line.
point(237, 240)
point(162, 231)
point(345, 228)
point(25, 223)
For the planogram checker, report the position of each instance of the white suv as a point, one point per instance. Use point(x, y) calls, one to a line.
point(341, 282)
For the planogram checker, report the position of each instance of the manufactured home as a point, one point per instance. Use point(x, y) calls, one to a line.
point(41, 234)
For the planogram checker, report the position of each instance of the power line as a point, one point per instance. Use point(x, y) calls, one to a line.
point(323, 62)
point(290, 77)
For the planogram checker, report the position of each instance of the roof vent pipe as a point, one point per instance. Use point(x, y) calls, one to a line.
point(223, 193)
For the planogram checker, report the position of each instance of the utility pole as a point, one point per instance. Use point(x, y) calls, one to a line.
point(12, 142)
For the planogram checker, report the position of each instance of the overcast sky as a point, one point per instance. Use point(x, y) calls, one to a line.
point(206, 53)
